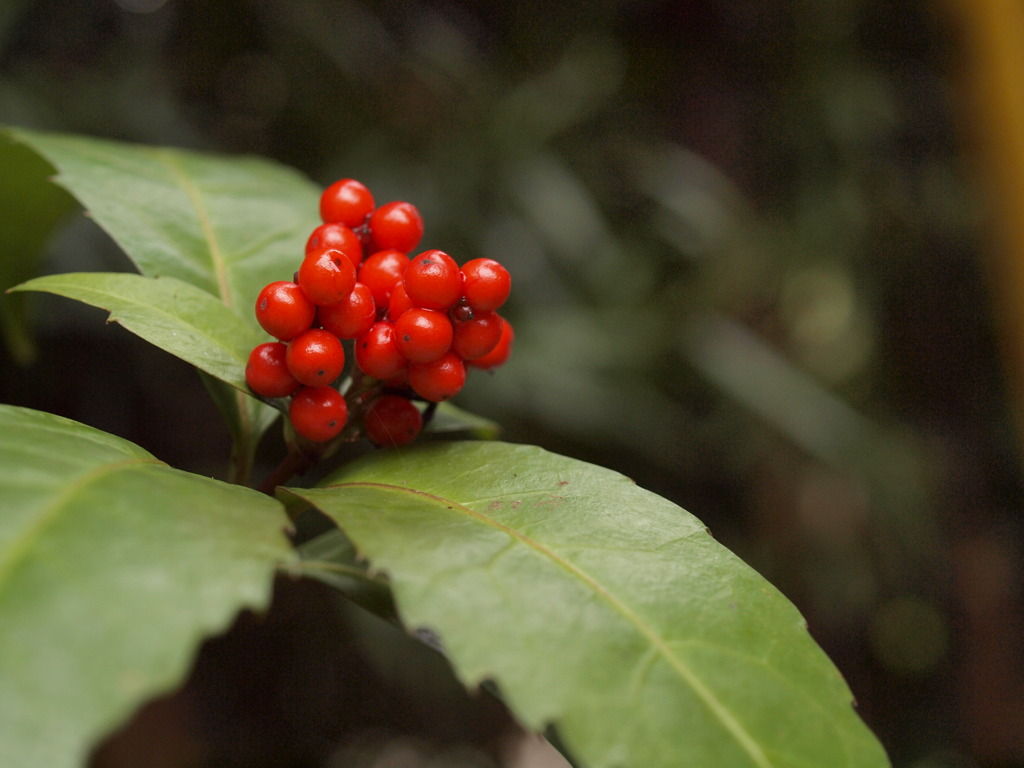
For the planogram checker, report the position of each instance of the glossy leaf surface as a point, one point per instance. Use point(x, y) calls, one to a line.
point(599, 607)
point(113, 566)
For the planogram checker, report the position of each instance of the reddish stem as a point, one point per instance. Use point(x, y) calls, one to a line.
point(296, 462)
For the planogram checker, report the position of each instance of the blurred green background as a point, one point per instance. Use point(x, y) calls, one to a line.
point(749, 246)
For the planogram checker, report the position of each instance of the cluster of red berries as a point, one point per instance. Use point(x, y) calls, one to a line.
point(415, 323)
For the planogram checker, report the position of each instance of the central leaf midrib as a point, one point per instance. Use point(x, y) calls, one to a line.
point(660, 644)
point(219, 264)
point(217, 261)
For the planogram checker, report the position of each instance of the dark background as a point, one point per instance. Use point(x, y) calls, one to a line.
point(749, 245)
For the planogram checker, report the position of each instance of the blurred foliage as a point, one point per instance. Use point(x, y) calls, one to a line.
point(745, 246)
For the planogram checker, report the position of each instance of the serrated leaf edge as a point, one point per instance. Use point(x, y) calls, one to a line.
point(42, 284)
point(657, 642)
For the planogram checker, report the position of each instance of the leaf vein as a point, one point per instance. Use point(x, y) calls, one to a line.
point(661, 645)
point(195, 197)
point(21, 546)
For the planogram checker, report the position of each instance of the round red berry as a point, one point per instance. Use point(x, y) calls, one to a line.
point(433, 280)
point(438, 380)
point(392, 420)
point(326, 276)
point(318, 413)
point(475, 338)
point(283, 310)
point(377, 352)
point(396, 225)
point(380, 272)
point(351, 317)
point(347, 201)
point(399, 302)
point(486, 284)
point(423, 335)
point(315, 357)
point(266, 371)
point(501, 351)
point(340, 238)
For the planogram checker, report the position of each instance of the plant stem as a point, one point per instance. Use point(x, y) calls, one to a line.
point(358, 396)
point(239, 464)
point(295, 462)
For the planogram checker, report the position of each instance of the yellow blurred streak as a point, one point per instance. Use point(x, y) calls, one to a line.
point(992, 35)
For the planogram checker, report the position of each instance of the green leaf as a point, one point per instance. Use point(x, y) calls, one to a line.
point(597, 606)
point(171, 314)
point(190, 324)
point(450, 420)
point(228, 225)
point(113, 567)
point(331, 558)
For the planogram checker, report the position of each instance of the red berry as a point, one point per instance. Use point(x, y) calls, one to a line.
point(500, 353)
point(346, 201)
point(396, 225)
point(423, 335)
point(351, 317)
point(339, 237)
point(377, 352)
point(318, 413)
point(392, 420)
point(316, 357)
point(487, 284)
point(475, 338)
point(266, 371)
point(380, 272)
point(283, 310)
point(433, 280)
point(399, 302)
point(439, 380)
point(326, 276)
